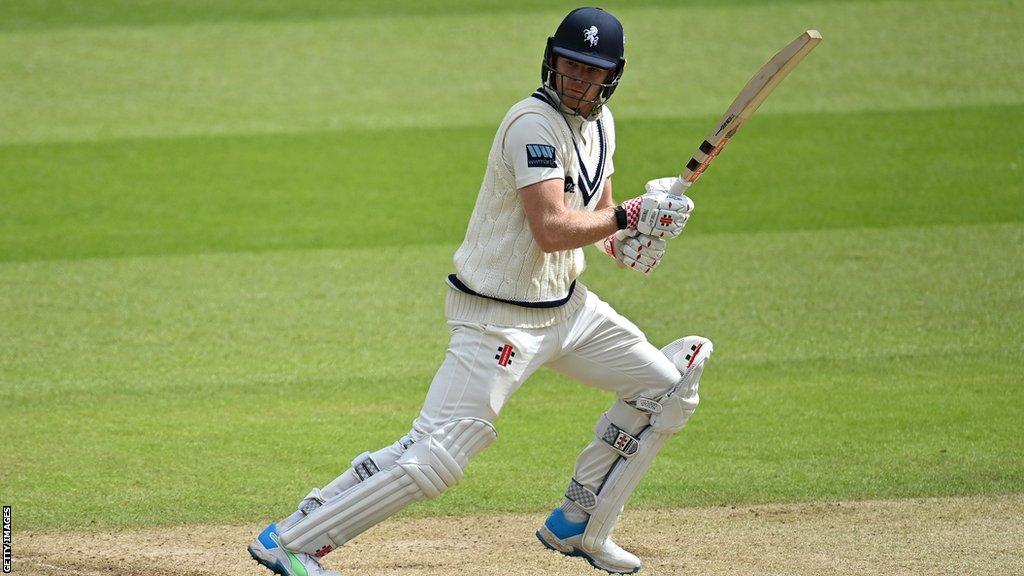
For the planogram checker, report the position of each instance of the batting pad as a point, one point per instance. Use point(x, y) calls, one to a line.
point(669, 415)
point(426, 469)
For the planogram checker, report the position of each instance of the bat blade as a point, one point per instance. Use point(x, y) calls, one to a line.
point(748, 100)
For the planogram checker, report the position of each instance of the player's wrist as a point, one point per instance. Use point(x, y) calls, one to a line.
point(631, 208)
point(621, 218)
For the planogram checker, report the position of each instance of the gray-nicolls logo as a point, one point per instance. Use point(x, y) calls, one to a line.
point(590, 35)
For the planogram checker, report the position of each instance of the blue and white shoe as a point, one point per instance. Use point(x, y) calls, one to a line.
point(562, 535)
point(267, 550)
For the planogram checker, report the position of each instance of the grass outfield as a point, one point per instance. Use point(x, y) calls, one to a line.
point(172, 389)
point(205, 310)
point(256, 193)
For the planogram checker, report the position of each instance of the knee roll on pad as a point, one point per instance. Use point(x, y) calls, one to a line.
point(670, 412)
point(689, 356)
point(426, 469)
point(688, 353)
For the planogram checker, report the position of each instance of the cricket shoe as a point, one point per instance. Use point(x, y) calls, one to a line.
point(267, 550)
point(562, 535)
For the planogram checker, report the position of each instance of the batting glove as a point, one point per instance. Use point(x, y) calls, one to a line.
point(634, 250)
point(658, 213)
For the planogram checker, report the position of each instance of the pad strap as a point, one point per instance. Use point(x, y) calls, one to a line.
point(646, 404)
point(311, 502)
point(581, 495)
point(364, 466)
point(616, 438)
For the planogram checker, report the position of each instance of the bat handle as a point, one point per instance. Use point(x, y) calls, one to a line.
point(679, 187)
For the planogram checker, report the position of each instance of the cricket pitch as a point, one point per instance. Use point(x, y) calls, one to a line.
point(931, 536)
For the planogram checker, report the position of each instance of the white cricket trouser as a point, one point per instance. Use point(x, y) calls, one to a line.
point(485, 364)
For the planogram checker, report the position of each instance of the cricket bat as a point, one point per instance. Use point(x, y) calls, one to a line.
point(759, 87)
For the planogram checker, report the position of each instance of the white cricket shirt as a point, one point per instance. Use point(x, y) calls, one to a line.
point(501, 275)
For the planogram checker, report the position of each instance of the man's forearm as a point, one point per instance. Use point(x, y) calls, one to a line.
point(570, 229)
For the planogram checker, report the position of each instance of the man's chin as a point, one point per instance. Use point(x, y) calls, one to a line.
point(582, 107)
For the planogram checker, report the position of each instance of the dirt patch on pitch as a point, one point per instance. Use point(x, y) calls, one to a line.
point(979, 535)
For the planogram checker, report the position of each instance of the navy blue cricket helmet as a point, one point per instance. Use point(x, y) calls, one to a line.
point(591, 36)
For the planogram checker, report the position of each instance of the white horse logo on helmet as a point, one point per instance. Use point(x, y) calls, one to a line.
point(590, 35)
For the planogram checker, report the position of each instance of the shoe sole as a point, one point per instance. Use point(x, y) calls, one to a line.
point(577, 553)
point(274, 567)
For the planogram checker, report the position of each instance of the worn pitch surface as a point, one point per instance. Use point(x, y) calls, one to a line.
point(921, 537)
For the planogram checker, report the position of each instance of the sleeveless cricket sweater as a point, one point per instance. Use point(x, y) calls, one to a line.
point(502, 276)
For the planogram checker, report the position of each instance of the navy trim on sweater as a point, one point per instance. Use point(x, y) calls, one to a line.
point(588, 186)
point(461, 287)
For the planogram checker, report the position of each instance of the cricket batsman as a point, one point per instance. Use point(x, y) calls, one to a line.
point(514, 304)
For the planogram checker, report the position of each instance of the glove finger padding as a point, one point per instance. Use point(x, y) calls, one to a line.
point(633, 250)
point(644, 245)
point(642, 252)
point(650, 242)
point(631, 258)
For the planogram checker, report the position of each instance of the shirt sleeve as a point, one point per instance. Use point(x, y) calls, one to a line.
point(532, 149)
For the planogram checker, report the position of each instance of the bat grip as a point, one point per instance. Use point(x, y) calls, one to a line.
point(679, 187)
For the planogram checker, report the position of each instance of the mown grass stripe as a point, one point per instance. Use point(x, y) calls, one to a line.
point(324, 190)
point(57, 14)
point(265, 77)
